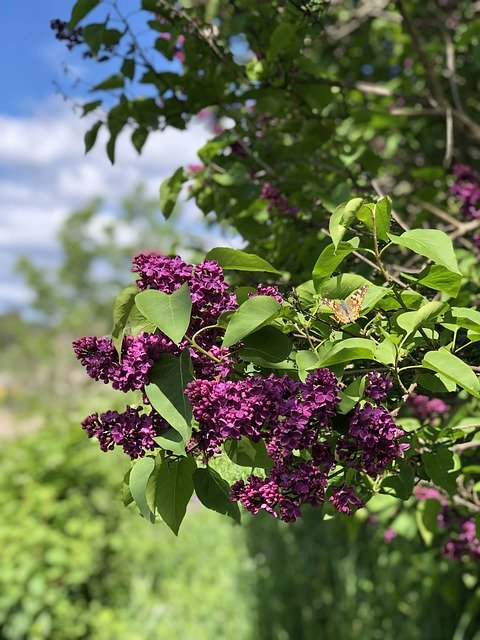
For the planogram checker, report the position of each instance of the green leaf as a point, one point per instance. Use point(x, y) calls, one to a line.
point(170, 488)
point(401, 483)
point(112, 141)
point(348, 350)
point(167, 381)
point(440, 278)
point(431, 243)
point(124, 302)
point(170, 190)
point(252, 315)
point(91, 135)
point(467, 318)
point(138, 323)
point(351, 395)
point(444, 362)
point(88, 107)
point(306, 361)
point(112, 82)
point(442, 467)
point(80, 9)
point(410, 321)
point(246, 453)
point(236, 260)
point(268, 343)
point(281, 37)
point(341, 286)
point(386, 352)
point(330, 258)
point(342, 217)
point(128, 68)
point(139, 137)
point(171, 440)
point(169, 312)
point(426, 514)
point(139, 475)
point(382, 212)
point(214, 493)
point(436, 383)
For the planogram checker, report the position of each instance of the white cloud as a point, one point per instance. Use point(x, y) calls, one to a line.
point(44, 175)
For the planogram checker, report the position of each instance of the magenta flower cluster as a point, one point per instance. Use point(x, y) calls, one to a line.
point(427, 409)
point(277, 201)
point(295, 422)
point(463, 540)
point(373, 440)
point(378, 386)
point(132, 430)
point(291, 417)
point(208, 289)
point(467, 189)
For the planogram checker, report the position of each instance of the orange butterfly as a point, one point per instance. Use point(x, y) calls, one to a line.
point(345, 311)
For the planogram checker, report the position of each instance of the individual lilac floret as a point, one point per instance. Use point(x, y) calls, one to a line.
point(267, 290)
point(425, 408)
point(375, 436)
point(133, 431)
point(160, 272)
point(345, 501)
point(378, 385)
point(100, 358)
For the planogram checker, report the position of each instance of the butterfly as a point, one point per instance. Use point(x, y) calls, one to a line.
point(345, 311)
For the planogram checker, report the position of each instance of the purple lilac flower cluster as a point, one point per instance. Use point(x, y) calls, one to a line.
point(463, 540)
point(373, 440)
point(292, 416)
point(378, 386)
point(210, 298)
point(131, 430)
point(427, 409)
point(277, 201)
point(101, 360)
point(467, 189)
point(268, 290)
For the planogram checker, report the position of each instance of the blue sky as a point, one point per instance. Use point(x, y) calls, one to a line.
point(44, 174)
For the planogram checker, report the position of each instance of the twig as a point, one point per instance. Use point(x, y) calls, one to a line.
point(431, 77)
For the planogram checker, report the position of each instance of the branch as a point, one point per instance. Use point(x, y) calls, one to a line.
point(431, 77)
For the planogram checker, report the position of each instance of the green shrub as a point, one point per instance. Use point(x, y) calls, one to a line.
point(76, 565)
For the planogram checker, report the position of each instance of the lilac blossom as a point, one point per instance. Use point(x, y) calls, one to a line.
point(427, 409)
point(378, 385)
point(345, 501)
point(133, 431)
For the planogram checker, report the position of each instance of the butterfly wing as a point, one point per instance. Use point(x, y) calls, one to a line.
point(345, 311)
point(354, 303)
point(339, 312)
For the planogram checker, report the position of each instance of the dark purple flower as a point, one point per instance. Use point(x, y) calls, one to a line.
point(160, 272)
point(100, 358)
point(378, 385)
point(345, 501)
point(267, 290)
point(375, 436)
point(133, 431)
point(277, 201)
